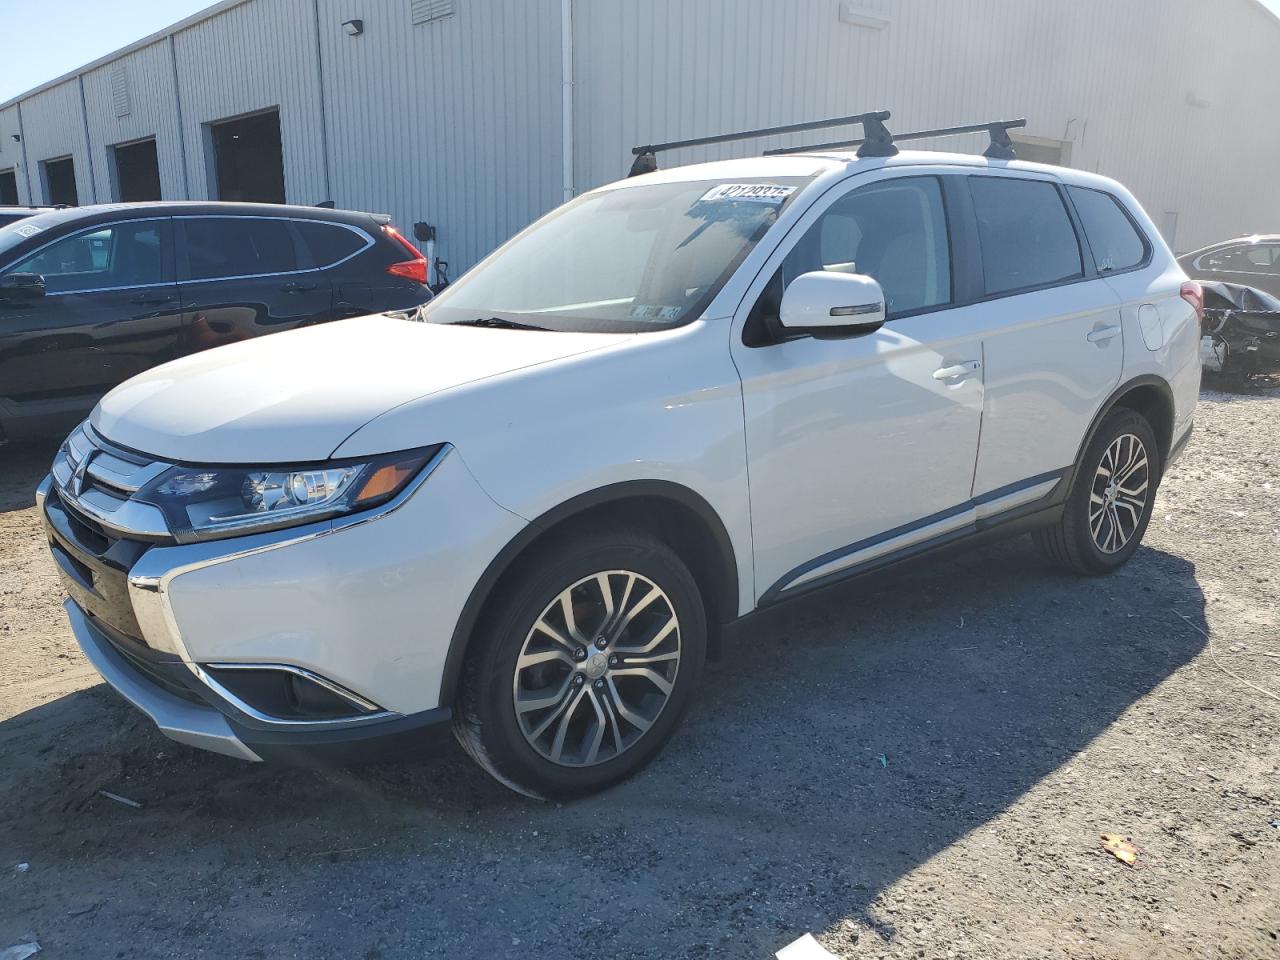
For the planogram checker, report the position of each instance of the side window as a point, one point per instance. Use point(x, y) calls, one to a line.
point(328, 242)
point(894, 231)
point(120, 255)
point(1026, 234)
point(238, 247)
point(1116, 243)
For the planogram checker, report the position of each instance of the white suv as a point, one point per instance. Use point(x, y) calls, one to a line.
point(529, 508)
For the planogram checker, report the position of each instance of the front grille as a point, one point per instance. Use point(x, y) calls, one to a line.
point(97, 481)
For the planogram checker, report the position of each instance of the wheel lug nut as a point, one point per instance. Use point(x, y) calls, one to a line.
point(599, 684)
point(601, 642)
point(578, 680)
point(580, 653)
point(613, 661)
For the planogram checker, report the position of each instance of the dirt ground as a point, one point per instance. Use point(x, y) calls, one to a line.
point(917, 765)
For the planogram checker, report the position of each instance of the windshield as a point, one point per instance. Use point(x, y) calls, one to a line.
point(634, 259)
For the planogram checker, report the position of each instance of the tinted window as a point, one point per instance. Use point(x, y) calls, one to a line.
point(238, 247)
point(1249, 258)
point(895, 232)
point(1115, 242)
point(121, 255)
point(329, 243)
point(11, 218)
point(1026, 234)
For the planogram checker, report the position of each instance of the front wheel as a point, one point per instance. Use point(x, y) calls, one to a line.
point(585, 666)
point(1111, 498)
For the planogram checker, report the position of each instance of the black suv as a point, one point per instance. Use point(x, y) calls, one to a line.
point(91, 296)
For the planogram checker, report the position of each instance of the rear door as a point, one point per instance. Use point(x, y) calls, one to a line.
point(241, 277)
point(109, 311)
point(1053, 348)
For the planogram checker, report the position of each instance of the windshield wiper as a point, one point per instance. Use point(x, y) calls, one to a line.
point(498, 322)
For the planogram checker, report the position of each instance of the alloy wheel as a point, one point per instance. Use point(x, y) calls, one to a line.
point(597, 668)
point(1118, 498)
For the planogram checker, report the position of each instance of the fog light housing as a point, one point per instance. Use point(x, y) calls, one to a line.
point(286, 694)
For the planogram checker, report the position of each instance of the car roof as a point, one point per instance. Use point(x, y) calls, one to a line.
point(842, 163)
point(1250, 238)
point(96, 213)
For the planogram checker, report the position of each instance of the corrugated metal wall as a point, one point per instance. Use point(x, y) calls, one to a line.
point(457, 121)
point(1112, 79)
point(11, 152)
point(249, 58)
point(53, 127)
point(147, 77)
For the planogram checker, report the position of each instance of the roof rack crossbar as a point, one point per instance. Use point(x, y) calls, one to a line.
point(1001, 147)
point(872, 123)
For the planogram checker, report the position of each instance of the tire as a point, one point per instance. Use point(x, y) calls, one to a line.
point(602, 664)
point(1084, 542)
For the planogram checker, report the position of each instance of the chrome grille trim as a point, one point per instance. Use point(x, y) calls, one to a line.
point(101, 488)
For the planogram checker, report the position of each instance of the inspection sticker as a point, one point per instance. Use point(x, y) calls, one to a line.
point(27, 230)
point(771, 193)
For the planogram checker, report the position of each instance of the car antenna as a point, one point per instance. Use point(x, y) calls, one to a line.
point(1001, 147)
point(878, 141)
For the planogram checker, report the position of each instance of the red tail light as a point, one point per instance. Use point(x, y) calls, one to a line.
point(414, 269)
point(1193, 293)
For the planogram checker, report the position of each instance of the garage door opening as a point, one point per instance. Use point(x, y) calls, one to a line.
point(136, 170)
point(59, 178)
point(8, 188)
point(248, 161)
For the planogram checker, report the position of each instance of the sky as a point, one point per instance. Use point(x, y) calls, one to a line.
point(88, 29)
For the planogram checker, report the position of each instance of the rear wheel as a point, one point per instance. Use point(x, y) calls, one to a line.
point(1111, 498)
point(585, 666)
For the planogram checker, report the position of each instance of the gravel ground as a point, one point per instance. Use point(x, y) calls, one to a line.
point(918, 765)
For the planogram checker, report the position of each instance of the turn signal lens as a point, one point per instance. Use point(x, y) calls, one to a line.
point(388, 480)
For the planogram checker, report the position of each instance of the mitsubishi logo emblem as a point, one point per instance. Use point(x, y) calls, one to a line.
point(78, 478)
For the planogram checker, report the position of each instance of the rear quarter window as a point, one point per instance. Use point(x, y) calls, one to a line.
point(329, 242)
point(1025, 233)
point(1115, 241)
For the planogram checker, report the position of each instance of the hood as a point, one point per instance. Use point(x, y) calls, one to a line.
point(295, 396)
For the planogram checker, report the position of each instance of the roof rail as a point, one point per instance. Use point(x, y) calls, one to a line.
point(878, 142)
point(1001, 147)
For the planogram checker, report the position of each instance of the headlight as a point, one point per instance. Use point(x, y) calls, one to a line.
point(204, 503)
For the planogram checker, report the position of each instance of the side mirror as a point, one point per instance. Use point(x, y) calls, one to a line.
point(22, 286)
point(832, 305)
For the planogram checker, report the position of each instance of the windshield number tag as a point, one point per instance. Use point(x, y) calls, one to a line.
point(770, 193)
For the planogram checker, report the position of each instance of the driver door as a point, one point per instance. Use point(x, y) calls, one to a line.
point(863, 447)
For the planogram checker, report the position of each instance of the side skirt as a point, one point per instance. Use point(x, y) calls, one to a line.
point(978, 520)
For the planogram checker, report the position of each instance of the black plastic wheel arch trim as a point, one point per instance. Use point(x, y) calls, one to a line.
point(613, 493)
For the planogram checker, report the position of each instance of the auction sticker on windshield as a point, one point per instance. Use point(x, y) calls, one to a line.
point(771, 193)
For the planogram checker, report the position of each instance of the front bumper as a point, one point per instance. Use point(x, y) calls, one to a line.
point(368, 608)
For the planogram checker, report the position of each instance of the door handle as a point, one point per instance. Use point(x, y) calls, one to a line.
point(296, 287)
point(151, 301)
point(958, 370)
point(1103, 334)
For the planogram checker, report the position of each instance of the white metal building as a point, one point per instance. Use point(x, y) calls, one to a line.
point(479, 115)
